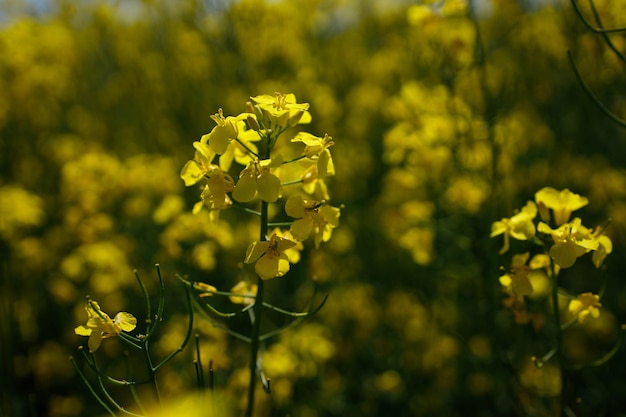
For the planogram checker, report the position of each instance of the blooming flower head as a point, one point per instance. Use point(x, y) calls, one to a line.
point(100, 326)
point(270, 257)
point(313, 217)
point(256, 179)
point(282, 110)
point(247, 291)
point(520, 226)
point(214, 194)
point(562, 203)
point(586, 304)
point(571, 241)
point(516, 279)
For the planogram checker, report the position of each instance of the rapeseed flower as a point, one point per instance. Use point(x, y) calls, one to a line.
point(100, 326)
point(520, 226)
point(270, 258)
point(562, 203)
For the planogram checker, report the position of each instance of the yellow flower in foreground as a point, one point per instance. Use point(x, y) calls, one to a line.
point(571, 240)
point(520, 226)
point(256, 179)
point(100, 326)
point(584, 305)
point(246, 289)
point(313, 217)
point(270, 257)
point(316, 148)
point(562, 203)
point(195, 169)
point(282, 110)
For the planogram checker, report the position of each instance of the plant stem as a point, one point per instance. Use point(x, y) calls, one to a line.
point(256, 325)
point(559, 334)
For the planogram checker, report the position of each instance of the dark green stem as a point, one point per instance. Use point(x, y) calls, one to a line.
point(559, 332)
point(256, 325)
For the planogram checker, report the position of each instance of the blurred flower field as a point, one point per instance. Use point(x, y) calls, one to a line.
point(471, 170)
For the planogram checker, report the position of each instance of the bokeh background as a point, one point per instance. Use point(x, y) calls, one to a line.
point(446, 116)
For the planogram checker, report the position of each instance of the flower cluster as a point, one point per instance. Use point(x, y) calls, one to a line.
point(564, 240)
point(237, 165)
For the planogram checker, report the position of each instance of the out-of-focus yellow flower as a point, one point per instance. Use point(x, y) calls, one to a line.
point(605, 247)
point(282, 110)
point(571, 240)
point(517, 278)
point(313, 217)
point(100, 326)
point(256, 179)
point(586, 304)
point(271, 260)
point(562, 203)
point(520, 226)
point(246, 289)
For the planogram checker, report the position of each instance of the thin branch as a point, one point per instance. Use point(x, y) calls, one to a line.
point(90, 387)
point(590, 26)
point(592, 95)
point(187, 336)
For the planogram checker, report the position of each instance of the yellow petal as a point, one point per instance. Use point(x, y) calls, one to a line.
point(191, 173)
point(301, 229)
point(126, 321)
point(245, 189)
point(94, 341)
point(269, 187)
point(267, 267)
point(82, 331)
point(255, 251)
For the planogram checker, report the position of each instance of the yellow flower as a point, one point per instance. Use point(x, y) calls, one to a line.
point(199, 166)
point(316, 148)
point(314, 217)
point(282, 110)
point(214, 194)
point(293, 254)
point(571, 241)
point(562, 203)
point(584, 305)
point(313, 183)
point(256, 179)
point(516, 279)
point(271, 260)
point(520, 226)
point(100, 326)
point(605, 246)
point(246, 289)
point(230, 138)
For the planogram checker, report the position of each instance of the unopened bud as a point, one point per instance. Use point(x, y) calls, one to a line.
point(253, 123)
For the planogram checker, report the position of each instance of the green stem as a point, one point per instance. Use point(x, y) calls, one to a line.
point(559, 333)
point(256, 325)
